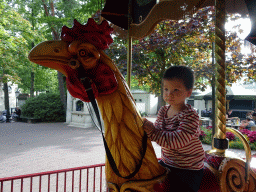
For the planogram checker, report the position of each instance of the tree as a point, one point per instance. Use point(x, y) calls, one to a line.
point(171, 43)
point(49, 16)
point(22, 67)
point(45, 79)
point(54, 12)
point(14, 36)
point(185, 42)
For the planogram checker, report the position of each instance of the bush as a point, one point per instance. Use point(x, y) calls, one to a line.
point(143, 114)
point(206, 136)
point(236, 144)
point(253, 146)
point(202, 135)
point(47, 107)
point(252, 137)
point(209, 127)
point(230, 136)
point(245, 131)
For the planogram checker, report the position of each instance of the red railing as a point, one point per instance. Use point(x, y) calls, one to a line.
point(87, 178)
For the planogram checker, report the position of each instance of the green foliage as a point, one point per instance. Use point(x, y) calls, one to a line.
point(185, 42)
point(38, 21)
point(143, 114)
point(45, 79)
point(206, 138)
point(47, 107)
point(253, 146)
point(136, 86)
point(15, 35)
point(237, 144)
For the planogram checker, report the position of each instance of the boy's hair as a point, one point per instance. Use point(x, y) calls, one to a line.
point(180, 72)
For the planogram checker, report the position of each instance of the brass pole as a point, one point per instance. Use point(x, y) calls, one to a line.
point(220, 141)
point(213, 93)
point(129, 49)
point(129, 60)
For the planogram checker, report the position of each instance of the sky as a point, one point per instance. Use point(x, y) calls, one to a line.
point(245, 25)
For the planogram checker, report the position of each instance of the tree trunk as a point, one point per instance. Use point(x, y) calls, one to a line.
point(55, 36)
point(161, 101)
point(62, 90)
point(6, 102)
point(32, 80)
point(213, 106)
point(32, 84)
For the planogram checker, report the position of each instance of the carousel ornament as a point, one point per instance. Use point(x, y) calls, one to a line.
point(83, 45)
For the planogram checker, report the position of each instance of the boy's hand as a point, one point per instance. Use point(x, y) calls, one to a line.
point(144, 119)
point(147, 125)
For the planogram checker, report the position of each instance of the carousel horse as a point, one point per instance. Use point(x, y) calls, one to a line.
point(131, 163)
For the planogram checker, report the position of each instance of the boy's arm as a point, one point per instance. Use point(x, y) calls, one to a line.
point(150, 127)
point(186, 131)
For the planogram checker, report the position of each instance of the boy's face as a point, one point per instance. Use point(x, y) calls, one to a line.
point(175, 92)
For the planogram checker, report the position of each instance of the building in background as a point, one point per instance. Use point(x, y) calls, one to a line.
point(240, 97)
point(12, 97)
point(78, 112)
point(21, 99)
point(145, 102)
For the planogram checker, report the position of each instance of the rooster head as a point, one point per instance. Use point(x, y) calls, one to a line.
point(80, 46)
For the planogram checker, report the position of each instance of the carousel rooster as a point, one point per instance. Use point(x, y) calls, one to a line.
point(80, 50)
point(79, 56)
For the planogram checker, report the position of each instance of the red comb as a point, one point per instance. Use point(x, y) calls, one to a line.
point(98, 35)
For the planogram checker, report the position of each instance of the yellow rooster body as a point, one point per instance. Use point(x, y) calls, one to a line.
point(124, 133)
point(122, 122)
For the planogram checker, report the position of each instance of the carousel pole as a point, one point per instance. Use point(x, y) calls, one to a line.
point(129, 41)
point(233, 173)
point(220, 141)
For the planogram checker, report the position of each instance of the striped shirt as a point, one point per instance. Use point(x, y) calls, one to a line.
point(178, 137)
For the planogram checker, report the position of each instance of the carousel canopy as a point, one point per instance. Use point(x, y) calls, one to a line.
point(146, 13)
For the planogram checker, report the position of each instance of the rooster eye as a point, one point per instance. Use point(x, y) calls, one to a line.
point(83, 53)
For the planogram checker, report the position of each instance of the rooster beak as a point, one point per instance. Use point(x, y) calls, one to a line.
point(62, 56)
point(52, 54)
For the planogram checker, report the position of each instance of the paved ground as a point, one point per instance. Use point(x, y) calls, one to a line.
point(32, 148)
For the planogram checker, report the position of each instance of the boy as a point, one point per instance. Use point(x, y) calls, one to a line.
point(177, 131)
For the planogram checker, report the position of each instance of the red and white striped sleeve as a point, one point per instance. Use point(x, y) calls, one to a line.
point(150, 127)
point(176, 139)
point(159, 123)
